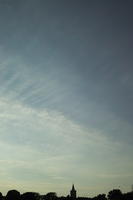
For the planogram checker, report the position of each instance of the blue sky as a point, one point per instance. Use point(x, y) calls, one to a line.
point(66, 94)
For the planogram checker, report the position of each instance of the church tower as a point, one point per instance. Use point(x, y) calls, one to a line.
point(73, 192)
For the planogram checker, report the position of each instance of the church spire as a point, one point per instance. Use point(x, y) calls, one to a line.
point(73, 192)
point(73, 187)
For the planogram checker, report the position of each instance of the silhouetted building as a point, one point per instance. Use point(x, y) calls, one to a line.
point(73, 192)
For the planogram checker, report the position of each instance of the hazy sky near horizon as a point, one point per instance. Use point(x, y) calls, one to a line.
point(66, 95)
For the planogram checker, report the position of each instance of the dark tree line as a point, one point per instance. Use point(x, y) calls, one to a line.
point(115, 194)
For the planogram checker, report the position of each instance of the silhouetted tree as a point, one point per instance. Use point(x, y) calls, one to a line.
point(101, 197)
point(30, 196)
point(13, 195)
point(51, 196)
point(1, 196)
point(115, 194)
point(128, 196)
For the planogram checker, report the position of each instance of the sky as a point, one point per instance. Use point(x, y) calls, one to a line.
point(66, 95)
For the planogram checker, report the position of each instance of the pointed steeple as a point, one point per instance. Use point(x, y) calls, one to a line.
point(73, 189)
point(73, 192)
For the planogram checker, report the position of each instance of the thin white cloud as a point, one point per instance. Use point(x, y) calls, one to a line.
point(48, 145)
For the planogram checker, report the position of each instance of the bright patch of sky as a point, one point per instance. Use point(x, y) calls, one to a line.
point(66, 96)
